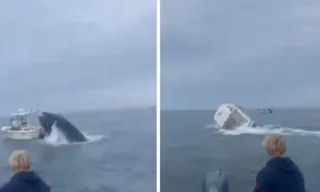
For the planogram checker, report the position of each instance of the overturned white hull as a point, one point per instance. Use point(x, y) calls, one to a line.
point(25, 134)
point(228, 116)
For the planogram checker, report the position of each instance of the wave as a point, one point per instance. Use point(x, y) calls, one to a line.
point(263, 130)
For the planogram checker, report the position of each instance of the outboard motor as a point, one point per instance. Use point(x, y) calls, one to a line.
point(215, 182)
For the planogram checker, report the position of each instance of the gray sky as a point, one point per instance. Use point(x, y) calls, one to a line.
point(252, 53)
point(77, 54)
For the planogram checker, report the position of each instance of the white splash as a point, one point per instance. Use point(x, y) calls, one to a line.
point(266, 129)
point(57, 138)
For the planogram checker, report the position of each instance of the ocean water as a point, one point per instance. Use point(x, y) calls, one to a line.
point(120, 157)
point(192, 145)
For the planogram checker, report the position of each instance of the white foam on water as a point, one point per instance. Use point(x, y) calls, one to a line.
point(57, 138)
point(266, 129)
point(211, 126)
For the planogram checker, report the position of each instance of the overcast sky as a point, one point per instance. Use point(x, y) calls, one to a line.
point(251, 53)
point(77, 54)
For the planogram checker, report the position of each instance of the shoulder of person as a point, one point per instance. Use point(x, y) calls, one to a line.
point(9, 186)
point(265, 173)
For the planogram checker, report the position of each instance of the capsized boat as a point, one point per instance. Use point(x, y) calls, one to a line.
point(229, 116)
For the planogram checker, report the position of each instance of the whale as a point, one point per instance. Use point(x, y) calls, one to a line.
point(215, 181)
point(48, 119)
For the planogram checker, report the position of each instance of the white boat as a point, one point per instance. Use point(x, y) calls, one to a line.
point(19, 127)
point(229, 116)
point(266, 111)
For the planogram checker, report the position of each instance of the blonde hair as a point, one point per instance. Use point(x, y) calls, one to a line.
point(20, 161)
point(275, 145)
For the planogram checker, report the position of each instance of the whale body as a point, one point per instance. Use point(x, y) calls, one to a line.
point(49, 119)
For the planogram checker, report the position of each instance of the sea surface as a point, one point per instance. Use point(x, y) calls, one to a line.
point(192, 145)
point(120, 156)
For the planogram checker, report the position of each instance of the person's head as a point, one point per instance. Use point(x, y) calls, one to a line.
point(275, 145)
point(20, 161)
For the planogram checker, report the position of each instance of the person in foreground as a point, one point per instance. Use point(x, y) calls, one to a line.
point(23, 179)
point(280, 173)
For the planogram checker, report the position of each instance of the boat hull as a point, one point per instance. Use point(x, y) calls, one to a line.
point(33, 133)
point(229, 116)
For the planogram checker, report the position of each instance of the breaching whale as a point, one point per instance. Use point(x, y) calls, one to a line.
point(71, 133)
